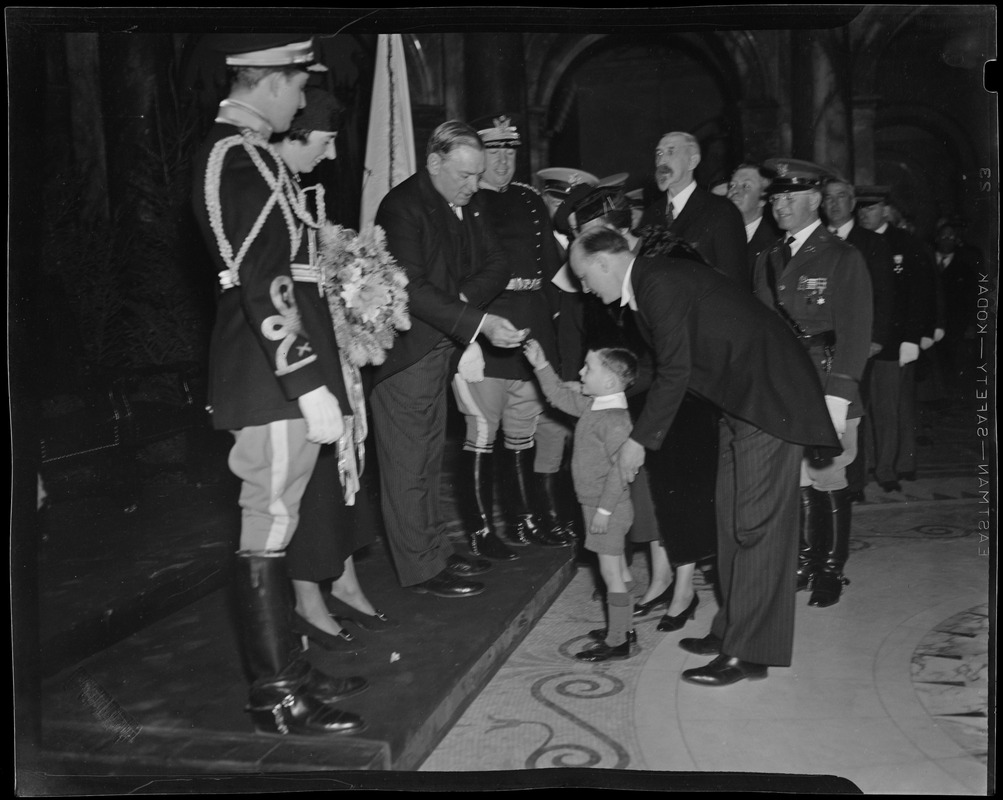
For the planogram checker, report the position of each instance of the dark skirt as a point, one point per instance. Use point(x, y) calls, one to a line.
point(328, 531)
point(682, 476)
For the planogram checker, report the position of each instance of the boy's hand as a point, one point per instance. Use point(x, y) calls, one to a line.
point(534, 353)
point(599, 524)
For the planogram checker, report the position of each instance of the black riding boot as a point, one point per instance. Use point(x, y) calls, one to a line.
point(523, 527)
point(547, 502)
point(483, 540)
point(813, 519)
point(287, 695)
point(829, 581)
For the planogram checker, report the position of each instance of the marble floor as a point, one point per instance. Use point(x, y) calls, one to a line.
point(888, 689)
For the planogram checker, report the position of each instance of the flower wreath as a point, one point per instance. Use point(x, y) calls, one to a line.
point(366, 291)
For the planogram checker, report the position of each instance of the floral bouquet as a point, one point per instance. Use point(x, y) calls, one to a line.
point(366, 291)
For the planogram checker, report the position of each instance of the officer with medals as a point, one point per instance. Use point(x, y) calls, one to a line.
point(494, 387)
point(821, 287)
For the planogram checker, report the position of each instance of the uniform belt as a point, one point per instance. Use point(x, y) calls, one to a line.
point(823, 339)
point(307, 273)
point(524, 285)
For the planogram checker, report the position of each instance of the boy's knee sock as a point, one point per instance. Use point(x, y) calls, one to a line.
point(620, 616)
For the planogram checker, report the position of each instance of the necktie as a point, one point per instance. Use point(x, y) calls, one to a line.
point(668, 211)
point(787, 249)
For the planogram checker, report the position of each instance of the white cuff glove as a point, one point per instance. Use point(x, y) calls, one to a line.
point(925, 343)
point(938, 334)
point(908, 352)
point(838, 408)
point(471, 367)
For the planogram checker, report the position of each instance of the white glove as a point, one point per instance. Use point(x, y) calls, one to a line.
point(938, 334)
point(908, 352)
point(838, 407)
point(925, 343)
point(471, 367)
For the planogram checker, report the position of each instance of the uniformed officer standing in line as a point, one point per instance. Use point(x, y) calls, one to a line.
point(820, 286)
point(494, 387)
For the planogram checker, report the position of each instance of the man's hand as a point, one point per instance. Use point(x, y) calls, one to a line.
point(534, 354)
point(908, 352)
point(838, 409)
point(599, 524)
point(630, 460)
point(501, 332)
point(322, 412)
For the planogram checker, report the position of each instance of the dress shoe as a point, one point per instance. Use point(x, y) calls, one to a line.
point(343, 612)
point(723, 671)
point(827, 589)
point(446, 584)
point(891, 486)
point(674, 623)
point(599, 635)
point(340, 642)
point(709, 645)
point(643, 609)
point(486, 543)
point(276, 708)
point(600, 651)
point(858, 496)
point(465, 567)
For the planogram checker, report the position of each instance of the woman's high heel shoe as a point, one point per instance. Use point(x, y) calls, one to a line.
point(643, 609)
point(341, 642)
point(342, 612)
point(670, 623)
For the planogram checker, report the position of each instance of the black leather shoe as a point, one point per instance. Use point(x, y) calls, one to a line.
point(485, 543)
point(465, 567)
point(297, 712)
point(599, 635)
point(723, 671)
point(643, 609)
point(709, 645)
point(600, 651)
point(341, 642)
point(891, 486)
point(827, 589)
point(674, 623)
point(446, 584)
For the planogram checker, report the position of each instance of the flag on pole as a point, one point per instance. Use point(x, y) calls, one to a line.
point(390, 142)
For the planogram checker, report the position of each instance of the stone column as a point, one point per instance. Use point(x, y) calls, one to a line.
point(864, 114)
point(830, 73)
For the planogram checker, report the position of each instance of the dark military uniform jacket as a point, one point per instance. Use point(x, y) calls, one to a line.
point(522, 225)
point(273, 338)
point(824, 294)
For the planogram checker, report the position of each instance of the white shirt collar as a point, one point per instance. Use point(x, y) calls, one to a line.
point(802, 235)
point(627, 290)
point(883, 228)
point(844, 230)
point(602, 402)
point(679, 200)
point(752, 227)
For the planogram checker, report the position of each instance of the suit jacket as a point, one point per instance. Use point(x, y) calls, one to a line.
point(765, 237)
point(824, 287)
point(959, 291)
point(713, 226)
point(273, 339)
point(713, 338)
point(914, 312)
point(879, 264)
point(427, 240)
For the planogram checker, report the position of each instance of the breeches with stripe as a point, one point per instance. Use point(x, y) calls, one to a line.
point(491, 403)
point(274, 463)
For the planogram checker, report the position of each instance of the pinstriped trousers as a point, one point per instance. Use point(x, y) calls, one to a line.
point(409, 425)
point(274, 463)
point(757, 543)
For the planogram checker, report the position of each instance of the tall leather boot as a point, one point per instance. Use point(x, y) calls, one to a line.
point(523, 527)
point(547, 502)
point(483, 540)
point(812, 519)
point(287, 695)
point(829, 581)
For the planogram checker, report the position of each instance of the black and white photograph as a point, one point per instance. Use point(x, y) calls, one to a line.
point(492, 398)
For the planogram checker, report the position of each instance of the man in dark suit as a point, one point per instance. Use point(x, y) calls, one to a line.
point(820, 286)
point(439, 235)
point(747, 190)
point(958, 269)
point(714, 339)
point(892, 396)
point(709, 223)
point(838, 204)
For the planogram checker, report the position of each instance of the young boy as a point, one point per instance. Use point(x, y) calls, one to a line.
point(603, 426)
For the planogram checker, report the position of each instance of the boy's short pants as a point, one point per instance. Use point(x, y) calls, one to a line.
point(611, 542)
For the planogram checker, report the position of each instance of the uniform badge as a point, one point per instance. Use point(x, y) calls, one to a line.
point(898, 259)
point(814, 288)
